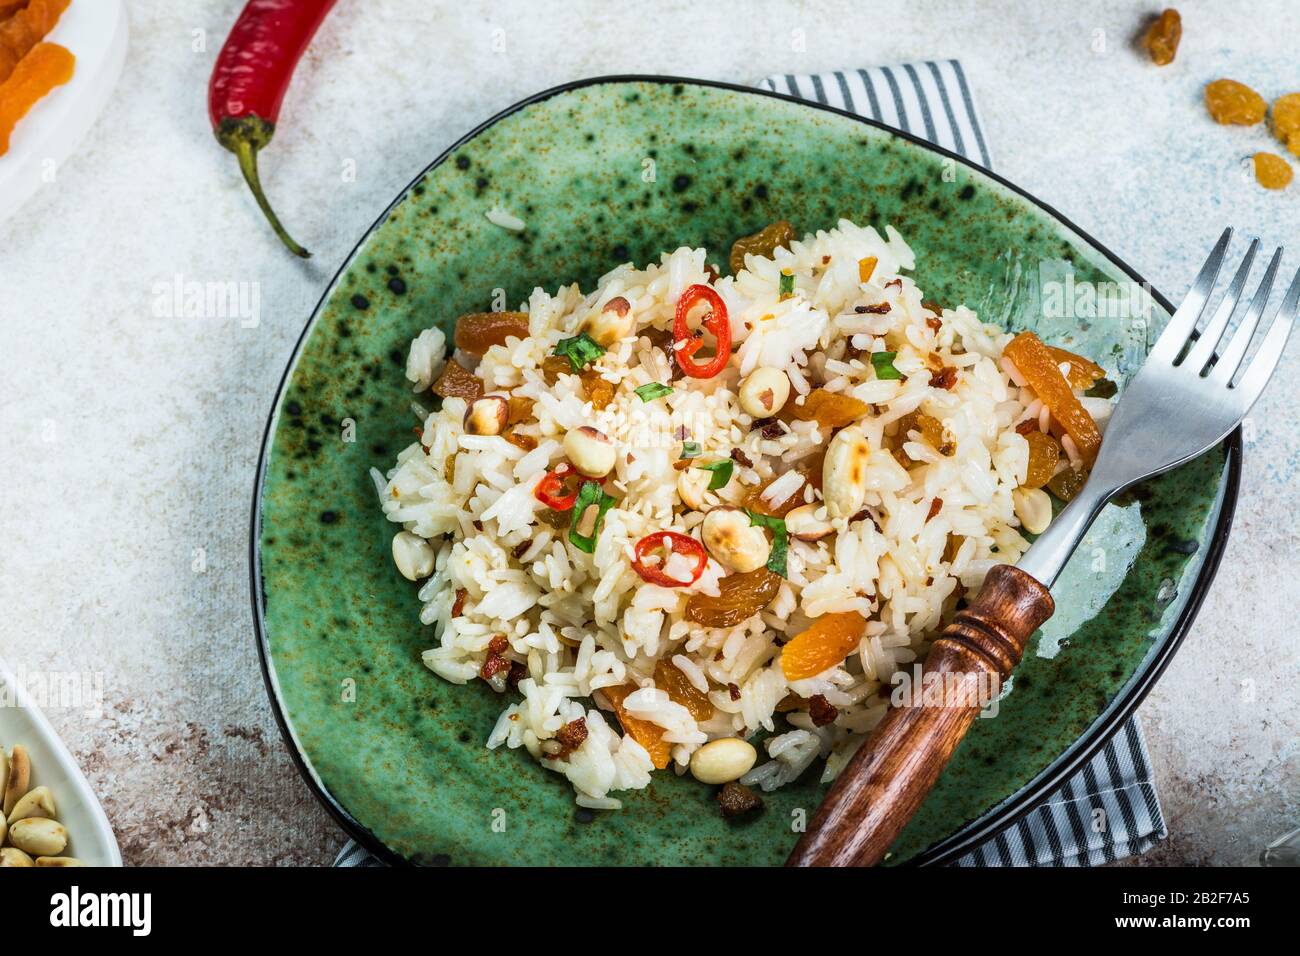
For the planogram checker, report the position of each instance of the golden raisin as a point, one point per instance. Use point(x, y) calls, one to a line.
point(1272, 171)
point(762, 243)
point(1286, 121)
point(930, 430)
point(829, 409)
point(1162, 37)
point(1067, 484)
point(741, 597)
point(479, 331)
point(681, 691)
point(600, 391)
point(1044, 453)
point(458, 382)
point(1230, 102)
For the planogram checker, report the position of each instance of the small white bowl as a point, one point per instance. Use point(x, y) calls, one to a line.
point(96, 33)
point(90, 837)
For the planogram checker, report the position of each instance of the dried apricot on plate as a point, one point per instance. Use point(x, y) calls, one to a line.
point(1230, 102)
point(680, 690)
point(830, 639)
point(1084, 373)
point(479, 331)
point(740, 597)
point(1162, 37)
point(1039, 368)
point(47, 66)
point(648, 735)
point(1272, 171)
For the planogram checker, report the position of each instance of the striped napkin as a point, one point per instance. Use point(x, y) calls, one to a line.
point(1108, 810)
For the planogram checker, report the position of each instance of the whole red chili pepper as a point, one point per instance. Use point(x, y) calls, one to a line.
point(686, 343)
point(249, 80)
point(675, 543)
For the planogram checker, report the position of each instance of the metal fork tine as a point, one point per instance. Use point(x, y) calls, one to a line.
point(1183, 323)
point(1270, 350)
point(1230, 359)
point(1204, 348)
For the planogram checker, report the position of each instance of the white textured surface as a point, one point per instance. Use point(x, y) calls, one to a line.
point(130, 439)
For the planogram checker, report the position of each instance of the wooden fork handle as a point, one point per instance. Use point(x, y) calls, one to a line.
point(891, 774)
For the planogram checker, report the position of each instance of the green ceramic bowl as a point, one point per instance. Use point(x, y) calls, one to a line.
point(622, 168)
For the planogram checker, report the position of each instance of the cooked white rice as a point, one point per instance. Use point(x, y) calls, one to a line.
point(581, 622)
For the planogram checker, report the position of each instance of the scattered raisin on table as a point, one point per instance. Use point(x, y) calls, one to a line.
point(1230, 102)
point(1162, 37)
point(1272, 171)
point(1286, 121)
point(736, 800)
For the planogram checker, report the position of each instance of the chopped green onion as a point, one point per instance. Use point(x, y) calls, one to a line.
point(589, 494)
point(581, 350)
point(648, 393)
point(721, 473)
point(787, 284)
point(780, 540)
point(691, 449)
point(883, 363)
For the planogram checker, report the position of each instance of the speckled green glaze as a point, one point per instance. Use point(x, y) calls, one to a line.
point(401, 751)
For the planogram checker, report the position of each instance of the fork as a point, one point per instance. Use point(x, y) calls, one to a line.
point(1185, 399)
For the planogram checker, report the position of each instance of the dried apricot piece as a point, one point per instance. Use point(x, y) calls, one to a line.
point(456, 381)
point(1039, 368)
point(1286, 121)
point(479, 331)
point(762, 243)
point(740, 597)
point(1230, 102)
point(1044, 453)
point(1084, 373)
point(1162, 37)
point(20, 34)
point(1272, 171)
point(681, 691)
point(830, 639)
point(648, 735)
point(866, 267)
point(829, 409)
point(47, 66)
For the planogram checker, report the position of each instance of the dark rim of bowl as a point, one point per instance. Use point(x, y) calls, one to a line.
point(971, 833)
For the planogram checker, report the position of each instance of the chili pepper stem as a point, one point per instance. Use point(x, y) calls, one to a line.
point(244, 137)
point(247, 154)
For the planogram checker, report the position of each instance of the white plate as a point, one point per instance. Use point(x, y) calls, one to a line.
point(96, 32)
point(90, 837)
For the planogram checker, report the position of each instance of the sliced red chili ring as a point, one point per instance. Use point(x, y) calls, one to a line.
point(686, 343)
point(674, 543)
point(549, 490)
